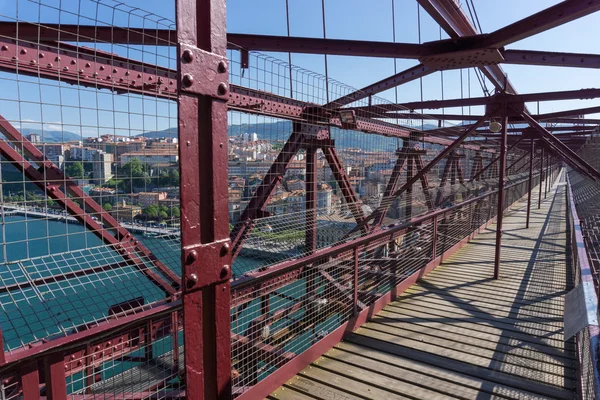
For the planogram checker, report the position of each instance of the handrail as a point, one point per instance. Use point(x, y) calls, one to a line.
point(590, 336)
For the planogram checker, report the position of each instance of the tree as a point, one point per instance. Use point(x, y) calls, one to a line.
point(163, 208)
point(175, 212)
point(163, 215)
point(107, 207)
point(134, 174)
point(75, 170)
point(151, 211)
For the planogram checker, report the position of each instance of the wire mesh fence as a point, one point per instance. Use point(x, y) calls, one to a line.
point(90, 202)
point(583, 266)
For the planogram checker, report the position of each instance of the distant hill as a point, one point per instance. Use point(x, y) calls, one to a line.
point(52, 136)
point(165, 133)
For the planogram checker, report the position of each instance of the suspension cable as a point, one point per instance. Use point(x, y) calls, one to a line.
point(287, 17)
point(326, 67)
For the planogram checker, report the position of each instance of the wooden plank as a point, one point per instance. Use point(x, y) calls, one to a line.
point(441, 320)
point(461, 367)
point(326, 385)
point(448, 280)
point(464, 351)
point(430, 375)
point(460, 353)
point(287, 393)
point(481, 307)
point(497, 343)
point(446, 310)
point(488, 298)
point(398, 385)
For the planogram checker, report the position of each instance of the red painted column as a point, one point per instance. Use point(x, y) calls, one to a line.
point(202, 123)
point(547, 174)
point(502, 176)
point(311, 198)
point(529, 182)
point(541, 178)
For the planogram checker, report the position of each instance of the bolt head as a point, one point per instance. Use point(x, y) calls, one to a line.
point(222, 89)
point(222, 68)
point(225, 249)
point(192, 256)
point(225, 271)
point(187, 55)
point(188, 80)
point(192, 279)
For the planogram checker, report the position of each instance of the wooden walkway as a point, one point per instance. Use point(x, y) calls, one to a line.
point(460, 334)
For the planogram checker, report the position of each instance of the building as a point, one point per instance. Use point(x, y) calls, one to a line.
point(103, 195)
point(124, 212)
point(34, 138)
point(52, 150)
point(102, 166)
point(145, 199)
point(324, 199)
point(161, 156)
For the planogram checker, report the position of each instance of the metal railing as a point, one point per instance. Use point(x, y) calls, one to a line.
point(588, 339)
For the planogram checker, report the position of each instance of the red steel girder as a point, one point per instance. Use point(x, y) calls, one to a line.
point(50, 181)
point(205, 244)
point(87, 67)
point(326, 46)
point(559, 116)
point(569, 156)
point(46, 32)
point(452, 19)
point(256, 206)
point(155, 81)
point(531, 57)
point(499, 98)
point(493, 161)
point(392, 183)
point(559, 14)
point(408, 75)
point(337, 167)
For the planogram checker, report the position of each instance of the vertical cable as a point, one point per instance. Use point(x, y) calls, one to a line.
point(421, 78)
point(326, 67)
point(287, 17)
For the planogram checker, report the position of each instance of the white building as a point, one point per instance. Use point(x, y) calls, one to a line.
point(102, 166)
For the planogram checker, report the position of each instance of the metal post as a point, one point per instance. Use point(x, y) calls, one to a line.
point(202, 123)
point(502, 176)
point(409, 189)
point(434, 238)
point(547, 174)
point(541, 178)
point(311, 199)
point(355, 283)
point(529, 183)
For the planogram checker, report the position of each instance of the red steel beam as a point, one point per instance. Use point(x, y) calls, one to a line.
point(327, 46)
point(50, 181)
point(554, 16)
point(256, 206)
point(205, 244)
point(408, 75)
point(570, 157)
point(558, 116)
point(87, 67)
point(452, 19)
point(132, 76)
point(475, 101)
point(337, 167)
point(46, 32)
point(547, 58)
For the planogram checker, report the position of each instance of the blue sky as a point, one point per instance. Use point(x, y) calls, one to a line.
point(345, 19)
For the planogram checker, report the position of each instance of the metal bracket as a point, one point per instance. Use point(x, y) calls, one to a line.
point(206, 264)
point(581, 309)
point(204, 73)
